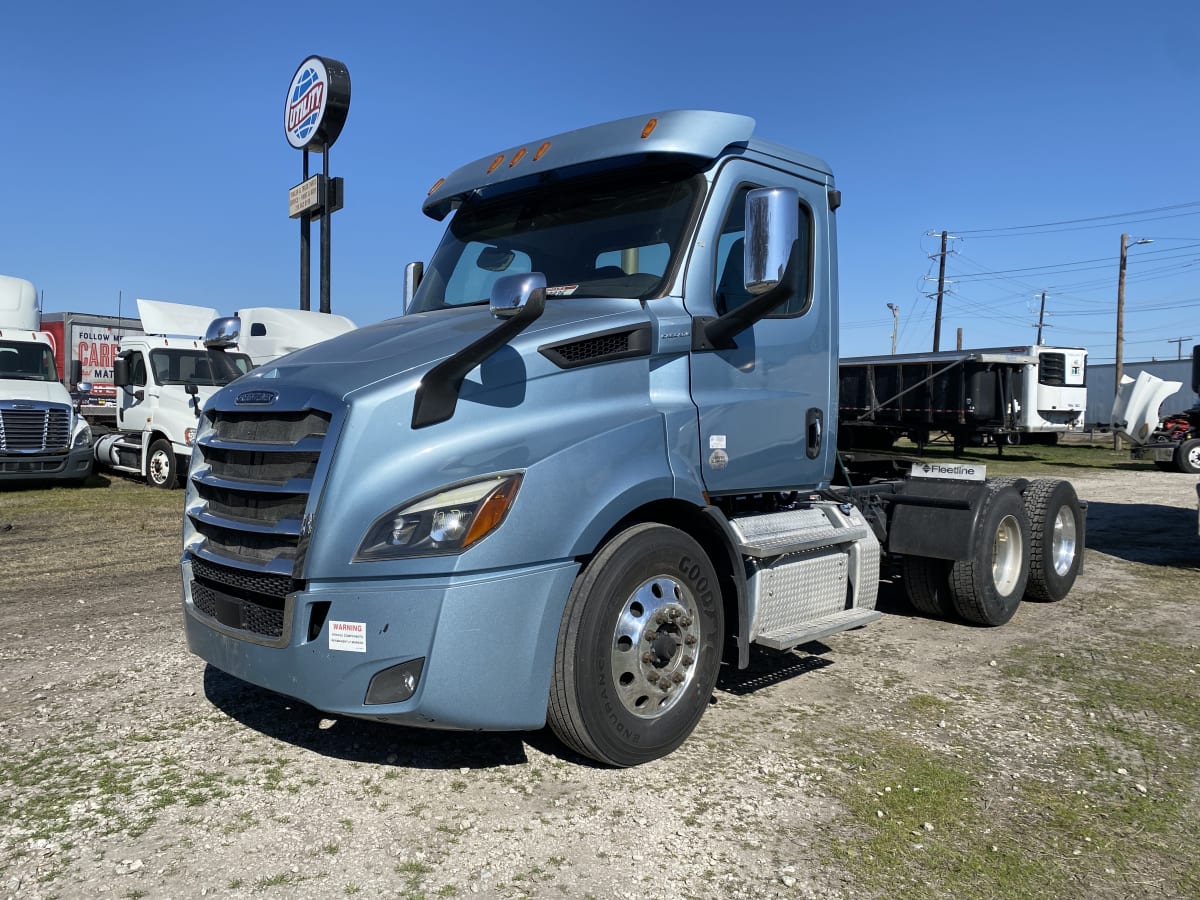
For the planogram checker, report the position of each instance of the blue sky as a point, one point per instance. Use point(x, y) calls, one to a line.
point(145, 154)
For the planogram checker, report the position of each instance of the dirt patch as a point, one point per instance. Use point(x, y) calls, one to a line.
point(1042, 758)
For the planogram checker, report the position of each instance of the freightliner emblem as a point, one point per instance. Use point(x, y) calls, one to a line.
point(256, 397)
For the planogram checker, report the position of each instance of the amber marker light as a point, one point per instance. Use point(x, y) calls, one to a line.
point(650, 126)
point(541, 151)
point(493, 510)
point(517, 157)
point(437, 184)
point(495, 164)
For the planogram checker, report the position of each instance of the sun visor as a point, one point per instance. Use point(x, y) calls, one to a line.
point(686, 133)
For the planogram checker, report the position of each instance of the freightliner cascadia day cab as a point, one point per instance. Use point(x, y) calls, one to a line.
point(42, 434)
point(592, 463)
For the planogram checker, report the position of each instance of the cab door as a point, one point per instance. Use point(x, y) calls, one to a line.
point(765, 406)
point(133, 397)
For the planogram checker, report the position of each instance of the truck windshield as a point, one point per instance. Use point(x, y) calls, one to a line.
point(26, 361)
point(618, 234)
point(196, 367)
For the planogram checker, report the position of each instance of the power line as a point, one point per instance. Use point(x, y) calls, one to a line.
point(1138, 212)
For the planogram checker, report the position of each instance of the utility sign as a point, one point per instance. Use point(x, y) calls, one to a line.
point(317, 102)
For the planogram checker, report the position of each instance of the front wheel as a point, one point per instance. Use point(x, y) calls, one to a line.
point(161, 467)
point(1187, 456)
point(638, 649)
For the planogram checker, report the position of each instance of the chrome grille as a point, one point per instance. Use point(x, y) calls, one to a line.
point(35, 430)
point(253, 481)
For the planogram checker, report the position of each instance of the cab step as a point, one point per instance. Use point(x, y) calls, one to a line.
point(797, 530)
point(819, 628)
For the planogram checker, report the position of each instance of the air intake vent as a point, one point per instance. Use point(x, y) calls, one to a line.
point(604, 346)
point(1052, 369)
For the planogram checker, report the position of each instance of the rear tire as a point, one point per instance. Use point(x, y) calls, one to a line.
point(927, 585)
point(987, 587)
point(639, 648)
point(1055, 549)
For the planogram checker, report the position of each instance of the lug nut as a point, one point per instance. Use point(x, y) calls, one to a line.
point(677, 678)
point(687, 660)
point(686, 623)
point(652, 636)
point(675, 613)
point(652, 677)
point(660, 617)
point(647, 657)
point(690, 640)
point(665, 685)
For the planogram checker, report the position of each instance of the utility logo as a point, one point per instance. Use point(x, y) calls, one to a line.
point(306, 104)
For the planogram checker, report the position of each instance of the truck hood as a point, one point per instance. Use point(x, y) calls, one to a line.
point(1135, 409)
point(37, 391)
point(414, 343)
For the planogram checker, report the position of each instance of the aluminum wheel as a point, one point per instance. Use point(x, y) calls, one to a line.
point(653, 649)
point(1063, 542)
point(1007, 560)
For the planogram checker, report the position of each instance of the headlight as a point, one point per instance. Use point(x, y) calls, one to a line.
point(449, 521)
point(83, 437)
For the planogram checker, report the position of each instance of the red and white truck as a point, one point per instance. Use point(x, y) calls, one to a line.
point(85, 345)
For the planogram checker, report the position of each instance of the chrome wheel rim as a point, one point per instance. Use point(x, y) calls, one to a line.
point(1062, 541)
point(654, 647)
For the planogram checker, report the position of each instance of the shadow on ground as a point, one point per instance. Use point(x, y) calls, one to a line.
point(1144, 533)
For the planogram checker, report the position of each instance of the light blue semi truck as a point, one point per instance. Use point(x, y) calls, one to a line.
point(591, 464)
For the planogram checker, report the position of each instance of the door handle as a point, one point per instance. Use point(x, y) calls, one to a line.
point(814, 421)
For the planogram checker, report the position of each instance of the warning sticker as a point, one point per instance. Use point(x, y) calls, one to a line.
point(350, 636)
point(716, 442)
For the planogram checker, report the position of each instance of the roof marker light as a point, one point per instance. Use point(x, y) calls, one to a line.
point(495, 164)
point(541, 151)
point(437, 184)
point(650, 126)
point(517, 157)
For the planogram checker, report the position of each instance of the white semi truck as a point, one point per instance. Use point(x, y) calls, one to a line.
point(42, 434)
point(165, 375)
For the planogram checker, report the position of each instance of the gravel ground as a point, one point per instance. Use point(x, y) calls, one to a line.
point(131, 770)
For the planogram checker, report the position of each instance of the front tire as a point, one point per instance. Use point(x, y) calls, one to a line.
point(1187, 456)
point(987, 587)
point(638, 649)
point(162, 467)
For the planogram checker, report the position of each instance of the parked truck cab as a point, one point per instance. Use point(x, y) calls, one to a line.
point(42, 434)
point(591, 463)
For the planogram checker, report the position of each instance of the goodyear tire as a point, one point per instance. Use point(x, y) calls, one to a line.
point(638, 649)
point(1187, 456)
point(1056, 532)
point(987, 587)
point(927, 585)
point(161, 466)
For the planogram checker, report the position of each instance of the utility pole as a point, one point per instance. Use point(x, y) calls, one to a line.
point(1179, 341)
point(958, 344)
point(1120, 327)
point(1041, 318)
point(895, 322)
point(937, 320)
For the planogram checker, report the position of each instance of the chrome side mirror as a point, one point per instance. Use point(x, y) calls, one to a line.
point(223, 332)
point(413, 273)
point(772, 226)
point(513, 293)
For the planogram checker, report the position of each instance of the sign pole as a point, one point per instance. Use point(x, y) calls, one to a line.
point(305, 251)
point(326, 219)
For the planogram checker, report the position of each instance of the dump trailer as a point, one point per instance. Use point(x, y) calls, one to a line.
point(1001, 395)
point(591, 464)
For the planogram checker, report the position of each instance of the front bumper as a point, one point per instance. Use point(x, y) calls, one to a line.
point(487, 641)
point(74, 465)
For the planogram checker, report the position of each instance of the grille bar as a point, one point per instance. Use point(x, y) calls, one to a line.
point(35, 430)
